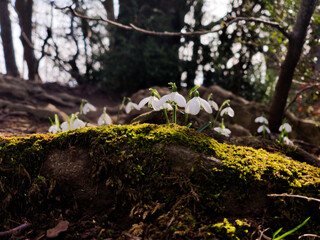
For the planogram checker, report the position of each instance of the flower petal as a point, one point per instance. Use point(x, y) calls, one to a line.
point(214, 105)
point(230, 112)
point(206, 106)
point(179, 99)
point(260, 129)
point(193, 106)
point(143, 102)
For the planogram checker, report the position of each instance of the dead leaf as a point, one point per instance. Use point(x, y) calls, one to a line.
point(62, 226)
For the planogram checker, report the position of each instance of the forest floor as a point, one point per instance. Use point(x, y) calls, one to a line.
point(25, 109)
point(15, 122)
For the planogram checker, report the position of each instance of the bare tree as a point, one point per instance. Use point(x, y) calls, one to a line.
point(24, 10)
point(296, 41)
point(7, 43)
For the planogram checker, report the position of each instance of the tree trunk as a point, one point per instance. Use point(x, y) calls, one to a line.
point(108, 5)
point(296, 41)
point(24, 10)
point(7, 42)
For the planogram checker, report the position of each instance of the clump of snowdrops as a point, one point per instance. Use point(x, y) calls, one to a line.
point(170, 102)
point(284, 129)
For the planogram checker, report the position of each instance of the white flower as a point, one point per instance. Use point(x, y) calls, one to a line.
point(104, 119)
point(285, 127)
point(65, 126)
point(224, 131)
point(54, 129)
point(166, 106)
point(261, 119)
point(152, 102)
point(214, 105)
point(263, 128)
point(228, 110)
point(172, 97)
point(87, 108)
point(77, 123)
point(194, 105)
point(131, 106)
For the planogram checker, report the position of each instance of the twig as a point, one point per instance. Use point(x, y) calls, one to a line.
point(295, 196)
point(179, 34)
point(13, 230)
point(299, 93)
point(309, 235)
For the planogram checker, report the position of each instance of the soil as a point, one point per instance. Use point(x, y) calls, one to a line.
point(20, 122)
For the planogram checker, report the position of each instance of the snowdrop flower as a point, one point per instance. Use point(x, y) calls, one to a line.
point(54, 129)
point(131, 106)
point(285, 127)
point(263, 128)
point(65, 126)
point(214, 105)
point(166, 106)
point(77, 123)
point(104, 119)
point(174, 97)
point(55, 126)
point(261, 119)
point(228, 110)
point(87, 107)
point(194, 105)
point(152, 102)
point(73, 122)
point(222, 130)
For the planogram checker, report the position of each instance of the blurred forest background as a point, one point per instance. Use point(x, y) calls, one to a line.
point(242, 46)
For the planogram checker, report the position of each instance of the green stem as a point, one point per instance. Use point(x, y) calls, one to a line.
point(174, 114)
point(186, 119)
point(166, 116)
point(120, 108)
point(220, 109)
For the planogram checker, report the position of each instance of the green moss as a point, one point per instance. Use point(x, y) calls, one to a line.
point(131, 163)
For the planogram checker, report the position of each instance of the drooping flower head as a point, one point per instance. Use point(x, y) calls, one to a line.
point(73, 122)
point(285, 127)
point(173, 98)
point(222, 129)
point(227, 111)
point(130, 106)
point(86, 107)
point(262, 120)
point(152, 101)
point(55, 126)
point(212, 103)
point(104, 119)
point(263, 128)
point(196, 103)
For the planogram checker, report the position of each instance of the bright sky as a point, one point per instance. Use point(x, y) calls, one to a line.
point(214, 9)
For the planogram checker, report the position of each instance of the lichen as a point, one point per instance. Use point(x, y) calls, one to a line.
point(129, 162)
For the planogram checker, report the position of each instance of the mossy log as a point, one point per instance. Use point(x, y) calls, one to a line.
point(148, 181)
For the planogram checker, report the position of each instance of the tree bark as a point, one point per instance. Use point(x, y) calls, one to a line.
point(296, 41)
point(7, 42)
point(108, 5)
point(24, 10)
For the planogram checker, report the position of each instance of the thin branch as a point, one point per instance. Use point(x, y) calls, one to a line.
point(309, 235)
point(265, 22)
point(179, 34)
point(294, 196)
point(13, 230)
point(299, 93)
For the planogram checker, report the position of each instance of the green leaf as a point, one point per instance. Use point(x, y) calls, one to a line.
point(291, 231)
